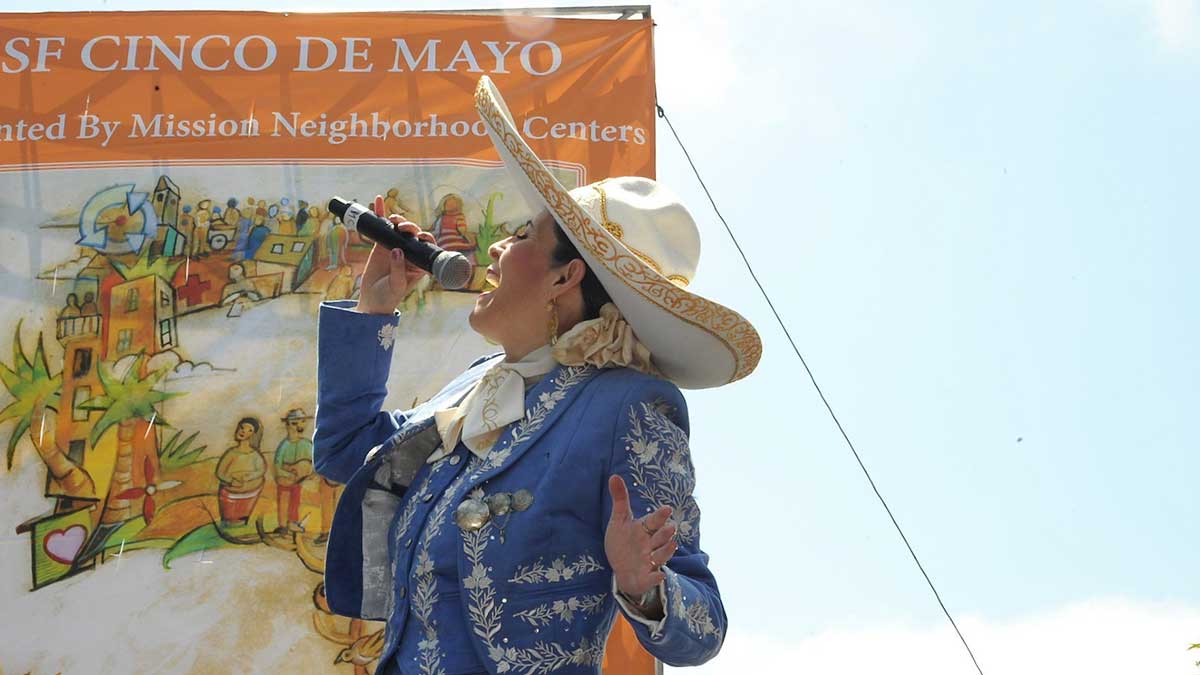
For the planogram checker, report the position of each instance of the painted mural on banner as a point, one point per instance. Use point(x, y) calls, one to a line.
point(164, 245)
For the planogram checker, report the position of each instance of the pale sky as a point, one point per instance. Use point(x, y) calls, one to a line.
point(979, 221)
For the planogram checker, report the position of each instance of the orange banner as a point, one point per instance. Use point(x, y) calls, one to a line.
point(163, 186)
point(94, 87)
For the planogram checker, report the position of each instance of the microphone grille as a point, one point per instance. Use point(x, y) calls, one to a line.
point(452, 270)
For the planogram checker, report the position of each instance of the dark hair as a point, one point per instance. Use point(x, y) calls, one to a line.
point(256, 439)
point(594, 295)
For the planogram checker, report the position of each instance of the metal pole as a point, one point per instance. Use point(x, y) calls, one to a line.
point(620, 11)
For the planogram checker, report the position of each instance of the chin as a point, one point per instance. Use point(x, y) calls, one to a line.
point(477, 320)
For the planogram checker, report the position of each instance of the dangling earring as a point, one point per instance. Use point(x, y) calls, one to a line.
point(553, 309)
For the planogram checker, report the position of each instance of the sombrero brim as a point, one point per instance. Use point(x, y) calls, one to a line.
point(695, 342)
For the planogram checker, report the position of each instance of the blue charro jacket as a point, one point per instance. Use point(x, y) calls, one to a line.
point(538, 598)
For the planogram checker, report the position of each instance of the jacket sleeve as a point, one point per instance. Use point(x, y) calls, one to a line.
point(354, 353)
point(650, 451)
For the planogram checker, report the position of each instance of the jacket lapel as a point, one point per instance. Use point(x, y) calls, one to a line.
point(420, 418)
point(543, 405)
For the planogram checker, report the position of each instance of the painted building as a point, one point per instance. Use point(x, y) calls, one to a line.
point(291, 255)
point(169, 240)
point(141, 317)
point(82, 343)
point(166, 202)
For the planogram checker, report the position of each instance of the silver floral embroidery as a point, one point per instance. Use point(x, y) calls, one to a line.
point(486, 616)
point(406, 517)
point(485, 613)
point(410, 509)
point(423, 599)
point(425, 596)
point(661, 466)
point(387, 335)
point(564, 609)
point(696, 616)
point(534, 418)
point(558, 570)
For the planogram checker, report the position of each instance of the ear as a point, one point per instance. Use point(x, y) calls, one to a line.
point(568, 276)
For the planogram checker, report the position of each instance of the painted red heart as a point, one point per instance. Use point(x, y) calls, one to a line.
point(63, 545)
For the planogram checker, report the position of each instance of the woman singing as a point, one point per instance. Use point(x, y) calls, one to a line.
point(498, 527)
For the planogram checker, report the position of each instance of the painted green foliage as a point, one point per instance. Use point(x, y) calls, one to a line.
point(490, 232)
point(127, 397)
point(30, 383)
point(161, 266)
point(176, 453)
point(210, 537)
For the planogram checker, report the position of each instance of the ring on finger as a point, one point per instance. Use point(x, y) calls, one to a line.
point(646, 527)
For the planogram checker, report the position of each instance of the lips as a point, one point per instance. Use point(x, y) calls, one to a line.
point(492, 278)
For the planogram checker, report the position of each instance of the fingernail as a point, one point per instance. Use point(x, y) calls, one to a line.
point(396, 254)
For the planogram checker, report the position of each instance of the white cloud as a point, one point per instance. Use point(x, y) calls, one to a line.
point(1103, 637)
point(67, 271)
point(1177, 23)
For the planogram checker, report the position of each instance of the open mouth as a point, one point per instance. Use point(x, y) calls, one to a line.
point(491, 280)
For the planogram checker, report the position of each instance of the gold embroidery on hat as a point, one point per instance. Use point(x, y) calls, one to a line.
point(729, 327)
point(613, 228)
point(619, 232)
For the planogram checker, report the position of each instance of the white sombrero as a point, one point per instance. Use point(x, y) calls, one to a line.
point(643, 246)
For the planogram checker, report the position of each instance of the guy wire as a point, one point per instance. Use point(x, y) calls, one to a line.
point(663, 114)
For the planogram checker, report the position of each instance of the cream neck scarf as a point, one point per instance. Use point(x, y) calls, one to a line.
point(498, 399)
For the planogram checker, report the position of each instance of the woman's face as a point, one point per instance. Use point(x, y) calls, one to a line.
point(524, 273)
point(244, 432)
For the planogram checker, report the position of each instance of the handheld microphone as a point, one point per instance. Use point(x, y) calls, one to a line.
point(452, 270)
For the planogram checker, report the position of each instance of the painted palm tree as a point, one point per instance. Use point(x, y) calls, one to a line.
point(126, 399)
point(34, 389)
point(490, 231)
point(144, 266)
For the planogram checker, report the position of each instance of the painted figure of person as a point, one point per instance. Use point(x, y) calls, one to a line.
point(89, 307)
point(287, 223)
point(233, 215)
point(311, 224)
point(393, 204)
point(450, 226)
point(187, 225)
point(341, 287)
point(293, 464)
point(255, 239)
point(302, 213)
point(242, 472)
point(71, 310)
point(199, 242)
point(339, 239)
point(239, 286)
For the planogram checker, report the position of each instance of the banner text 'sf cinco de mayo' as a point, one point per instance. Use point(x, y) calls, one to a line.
point(163, 181)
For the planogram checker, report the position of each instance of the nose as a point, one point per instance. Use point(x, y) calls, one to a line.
point(496, 249)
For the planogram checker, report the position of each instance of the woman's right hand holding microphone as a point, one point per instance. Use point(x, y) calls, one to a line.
point(388, 276)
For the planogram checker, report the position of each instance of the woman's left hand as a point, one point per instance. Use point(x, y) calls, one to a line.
point(637, 547)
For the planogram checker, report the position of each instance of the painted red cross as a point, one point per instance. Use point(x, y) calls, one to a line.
point(193, 291)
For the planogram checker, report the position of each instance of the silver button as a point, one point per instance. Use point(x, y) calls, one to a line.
point(403, 591)
point(454, 460)
point(427, 497)
point(408, 543)
point(472, 515)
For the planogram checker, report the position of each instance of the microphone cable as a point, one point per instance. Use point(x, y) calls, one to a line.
point(662, 113)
